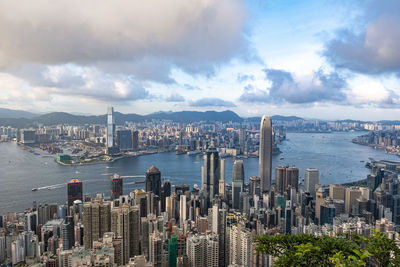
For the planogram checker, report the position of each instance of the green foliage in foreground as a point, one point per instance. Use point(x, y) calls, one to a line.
point(310, 250)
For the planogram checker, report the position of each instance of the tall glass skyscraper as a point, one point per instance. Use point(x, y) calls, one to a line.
point(110, 127)
point(237, 182)
point(74, 191)
point(265, 153)
point(210, 174)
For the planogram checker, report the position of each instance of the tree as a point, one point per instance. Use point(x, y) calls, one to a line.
point(310, 250)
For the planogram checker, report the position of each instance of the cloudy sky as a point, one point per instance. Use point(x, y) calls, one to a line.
point(328, 59)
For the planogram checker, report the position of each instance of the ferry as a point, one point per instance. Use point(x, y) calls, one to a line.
point(193, 152)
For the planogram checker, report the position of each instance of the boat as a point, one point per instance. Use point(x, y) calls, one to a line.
point(282, 158)
point(193, 152)
point(34, 189)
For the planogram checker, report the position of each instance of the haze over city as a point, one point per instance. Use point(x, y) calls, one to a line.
point(315, 59)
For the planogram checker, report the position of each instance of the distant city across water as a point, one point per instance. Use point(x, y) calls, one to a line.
point(338, 160)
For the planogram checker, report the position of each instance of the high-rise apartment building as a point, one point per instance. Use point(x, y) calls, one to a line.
point(202, 250)
point(153, 181)
point(125, 223)
point(156, 250)
point(213, 251)
point(218, 227)
point(311, 178)
point(96, 220)
point(240, 240)
point(265, 153)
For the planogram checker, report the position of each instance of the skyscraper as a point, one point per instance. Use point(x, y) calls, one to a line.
point(203, 250)
point(242, 140)
point(116, 186)
point(210, 173)
point(135, 140)
point(182, 210)
point(218, 227)
point(221, 189)
point(292, 177)
point(311, 178)
point(31, 221)
point(237, 182)
point(254, 186)
point(96, 220)
point(320, 196)
point(110, 127)
point(286, 176)
point(240, 245)
point(74, 191)
point(125, 222)
point(153, 181)
point(165, 192)
point(172, 251)
point(67, 233)
point(124, 140)
point(156, 251)
point(170, 205)
point(337, 191)
point(265, 153)
point(351, 198)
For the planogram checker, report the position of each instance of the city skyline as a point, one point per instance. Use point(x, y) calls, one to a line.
point(164, 221)
point(334, 59)
point(199, 133)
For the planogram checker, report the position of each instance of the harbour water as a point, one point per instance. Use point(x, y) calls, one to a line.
point(338, 160)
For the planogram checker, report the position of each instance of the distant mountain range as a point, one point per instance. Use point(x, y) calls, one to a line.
point(11, 113)
point(23, 119)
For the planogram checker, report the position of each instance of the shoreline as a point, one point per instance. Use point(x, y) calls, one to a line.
point(376, 147)
point(112, 159)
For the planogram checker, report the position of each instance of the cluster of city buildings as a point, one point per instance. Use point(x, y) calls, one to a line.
point(213, 224)
point(7, 133)
point(387, 140)
point(295, 124)
point(88, 143)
